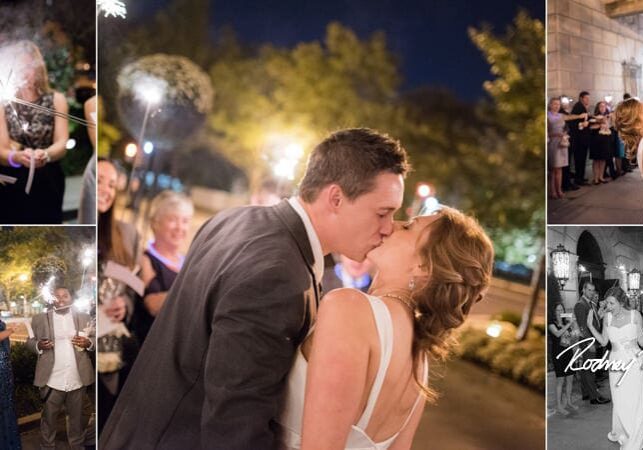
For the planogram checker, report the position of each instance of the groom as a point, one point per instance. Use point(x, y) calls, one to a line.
point(212, 371)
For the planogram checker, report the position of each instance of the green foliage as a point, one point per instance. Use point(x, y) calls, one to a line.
point(522, 361)
point(60, 68)
point(304, 92)
point(508, 316)
point(517, 61)
point(45, 267)
point(27, 400)
point(21, 247)
point(23, 365)
point(516, 246)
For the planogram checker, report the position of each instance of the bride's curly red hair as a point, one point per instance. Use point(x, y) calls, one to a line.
point(458, 256)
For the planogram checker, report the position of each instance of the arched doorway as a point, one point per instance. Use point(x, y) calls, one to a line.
point(590, 256)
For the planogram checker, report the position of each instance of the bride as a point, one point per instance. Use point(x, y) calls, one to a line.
point(360, 380)
point(628, 121)
point(624, 329)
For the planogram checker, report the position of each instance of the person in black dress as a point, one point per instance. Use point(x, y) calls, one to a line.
point(601, 141)
point(32, 136)
point(580, 137)
point(562, 336)
point(170, 218)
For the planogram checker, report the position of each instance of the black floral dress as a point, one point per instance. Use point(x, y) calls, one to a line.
point(32, 128)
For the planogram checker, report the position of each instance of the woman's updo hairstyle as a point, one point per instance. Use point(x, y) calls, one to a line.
point(627, 120)
point(458, 256)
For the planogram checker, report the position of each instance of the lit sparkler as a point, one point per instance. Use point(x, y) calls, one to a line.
point(150, 90)
point(46, 291)
point(114, 8)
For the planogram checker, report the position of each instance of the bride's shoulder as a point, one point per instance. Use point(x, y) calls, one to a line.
point(344, 301)
point(345, 297)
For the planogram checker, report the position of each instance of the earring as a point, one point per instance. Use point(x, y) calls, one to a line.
point(412, 283)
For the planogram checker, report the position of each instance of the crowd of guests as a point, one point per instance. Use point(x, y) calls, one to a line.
point(567, 327)
point(156, 263)
point(575, 135)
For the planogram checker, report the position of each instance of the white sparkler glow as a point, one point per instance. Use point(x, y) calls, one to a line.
point(71, 143)
point(87, 257)
point(83, 304)
point(12, 72)
point(113, 8)
point(46, 291)
point(150, 89)
point(7, 89)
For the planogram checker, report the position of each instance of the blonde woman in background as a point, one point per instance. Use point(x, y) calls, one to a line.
point(170, 218)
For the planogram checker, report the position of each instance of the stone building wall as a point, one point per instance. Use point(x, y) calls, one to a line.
point(586, 50)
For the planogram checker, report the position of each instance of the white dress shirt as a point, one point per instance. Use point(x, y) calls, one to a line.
point(318, 254)
point(64, 375)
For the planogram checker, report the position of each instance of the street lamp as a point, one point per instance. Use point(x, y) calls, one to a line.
point(634, 280)
point(560, 263)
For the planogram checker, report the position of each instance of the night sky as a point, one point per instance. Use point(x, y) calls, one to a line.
point(430, 37)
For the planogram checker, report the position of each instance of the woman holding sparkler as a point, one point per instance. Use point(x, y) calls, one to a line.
point(117, 242)
point(33, 138)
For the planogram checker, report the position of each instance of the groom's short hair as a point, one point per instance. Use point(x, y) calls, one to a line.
point(352, 159)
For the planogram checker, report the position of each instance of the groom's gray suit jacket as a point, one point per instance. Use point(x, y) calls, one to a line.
point(212, 371)
point(43, 328)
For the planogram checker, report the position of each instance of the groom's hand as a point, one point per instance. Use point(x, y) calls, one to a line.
point(45, 344)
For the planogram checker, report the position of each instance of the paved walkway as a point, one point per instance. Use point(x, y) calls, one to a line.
point(617, 202)
point(585, 429)
point(478, 410)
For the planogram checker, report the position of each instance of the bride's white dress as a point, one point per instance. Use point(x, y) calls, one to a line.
point(627, 398)
point(292, 415)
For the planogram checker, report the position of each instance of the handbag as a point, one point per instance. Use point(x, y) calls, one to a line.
point(564, 141)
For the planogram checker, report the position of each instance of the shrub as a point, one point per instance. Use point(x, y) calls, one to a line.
point(521, 361)
point(23, 364)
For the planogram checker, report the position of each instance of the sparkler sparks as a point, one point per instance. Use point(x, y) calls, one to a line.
point(150, 89)
point(46, 291)
point(112, 8)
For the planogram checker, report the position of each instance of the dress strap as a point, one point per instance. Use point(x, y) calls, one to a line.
point(609, 319)
point(425, 379)
point(384, 325)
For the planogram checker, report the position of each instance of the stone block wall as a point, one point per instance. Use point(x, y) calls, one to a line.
point(586, 49)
